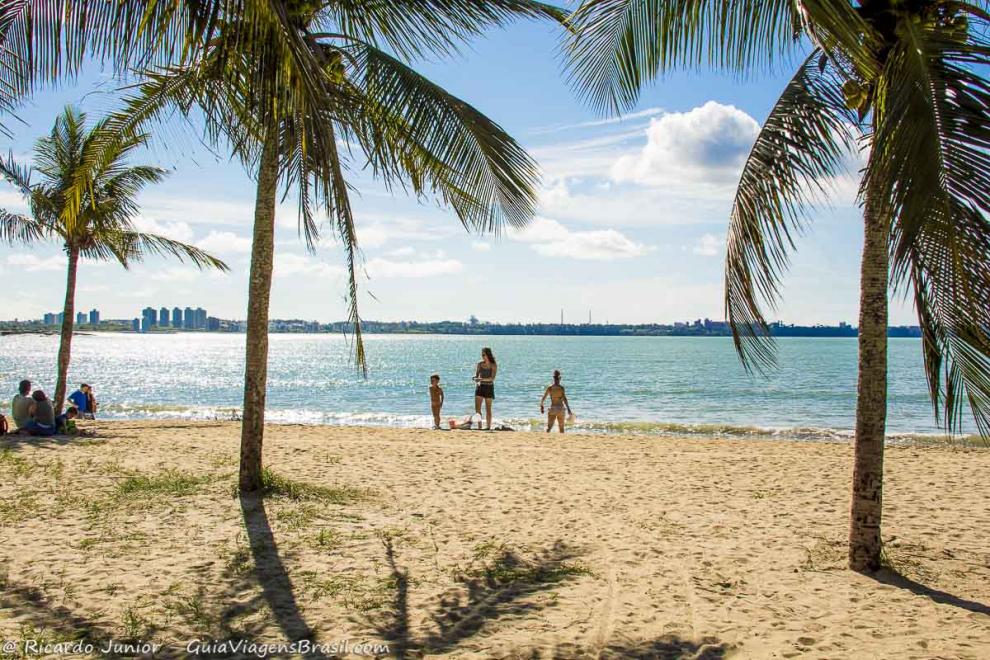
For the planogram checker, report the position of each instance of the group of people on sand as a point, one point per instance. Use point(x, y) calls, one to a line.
point(484, 392)
point(33, 413)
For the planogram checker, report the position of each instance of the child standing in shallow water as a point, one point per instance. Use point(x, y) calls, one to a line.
point(436, 399)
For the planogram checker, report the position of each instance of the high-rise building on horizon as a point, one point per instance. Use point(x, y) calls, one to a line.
point(200, 318)
point(212, 323)
point(189, 319)
point(136, 325)
point(163, 317)
point(94, 317)
point(176, 317)
point(50, 318)
point(149, 319)
point(80, 318)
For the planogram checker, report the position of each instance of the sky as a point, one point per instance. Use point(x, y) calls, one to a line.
point(630, 228)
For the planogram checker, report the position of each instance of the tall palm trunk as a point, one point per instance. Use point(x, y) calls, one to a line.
point(871, 394)
point(68, 319)
point(259, 293)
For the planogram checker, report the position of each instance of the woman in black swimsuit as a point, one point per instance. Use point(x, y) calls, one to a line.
point(484, 375)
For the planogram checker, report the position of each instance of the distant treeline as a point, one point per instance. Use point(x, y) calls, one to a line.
point(696, 329)
point(700, 328)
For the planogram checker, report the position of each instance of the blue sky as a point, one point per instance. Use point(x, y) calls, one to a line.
point(631, 225)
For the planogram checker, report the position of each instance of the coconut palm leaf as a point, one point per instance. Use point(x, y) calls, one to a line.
point(800, 148)
point(16, 174)
point(413, 28)
point(930, 161)
point(616, 46)
point(17, 228)
point(140, 244)
point(422, 134)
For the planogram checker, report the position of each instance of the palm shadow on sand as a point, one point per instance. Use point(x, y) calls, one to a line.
point(895, 579)
point(502, 589)
point(498, 590)
point(38, 613)
point(269, 571)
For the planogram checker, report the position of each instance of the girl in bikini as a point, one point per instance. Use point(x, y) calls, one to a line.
point(484, 375)
point(558, 402)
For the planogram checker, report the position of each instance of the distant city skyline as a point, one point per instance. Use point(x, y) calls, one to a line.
point(198, 320)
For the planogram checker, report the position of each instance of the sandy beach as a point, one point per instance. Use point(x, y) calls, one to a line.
point(508, 545)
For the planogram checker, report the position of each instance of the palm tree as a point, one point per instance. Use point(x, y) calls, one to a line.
point(104, 228)
point(303, 93)
point(907, 78)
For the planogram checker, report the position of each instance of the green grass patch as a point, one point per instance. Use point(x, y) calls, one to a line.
point(18, 508)
point(274, 485)
point(327, 540)
point(172, 483)
point(497, 564)
point(16, 465)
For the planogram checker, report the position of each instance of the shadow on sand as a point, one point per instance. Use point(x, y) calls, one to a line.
point(895, 579)
point(35, 611)
point(269, 570)
point(15, 442)
point(501, 589)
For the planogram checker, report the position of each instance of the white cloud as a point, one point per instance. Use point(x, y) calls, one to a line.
point(198, 211)
point(404, 251)
point(648, 112)
point(481, 246)
point(13, 201)
point(288, 264)
point(178, 230)
point(380, 267)
point(709, 245)
point(33, 263)
point(708, 144)
point(550, 238)
point(225, 242)
point(382, 230)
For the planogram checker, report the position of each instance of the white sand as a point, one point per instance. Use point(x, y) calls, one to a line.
point(494, 545)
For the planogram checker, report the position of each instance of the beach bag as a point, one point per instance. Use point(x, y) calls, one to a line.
point(4, 429)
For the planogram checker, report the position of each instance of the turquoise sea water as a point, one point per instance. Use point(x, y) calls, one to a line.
point(646, 384)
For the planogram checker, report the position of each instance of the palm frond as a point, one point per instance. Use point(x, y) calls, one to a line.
point(618, 45)
point(16, 174)
point(17, 228)
point(800, 148)
point(139, 244)
point(414, 28)
point(42, 41)
point(417, 132)
point(347, 231)
point(931, 161)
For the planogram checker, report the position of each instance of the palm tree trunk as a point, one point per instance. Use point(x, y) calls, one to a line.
point(68, 319)
point(259, 293)
point(871, 394)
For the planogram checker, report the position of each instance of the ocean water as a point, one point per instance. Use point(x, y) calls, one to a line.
point(641, 384)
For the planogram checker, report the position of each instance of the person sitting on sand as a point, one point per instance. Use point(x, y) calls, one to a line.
point(42, 420)
point(436, 399)
point(84, 401)
point(558, 401)
point(20, 407)
point(465, 423)
point(62, 421)
point(484, 375)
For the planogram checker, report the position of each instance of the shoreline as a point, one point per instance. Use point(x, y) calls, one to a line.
point(595, 428)
point(469, 545)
